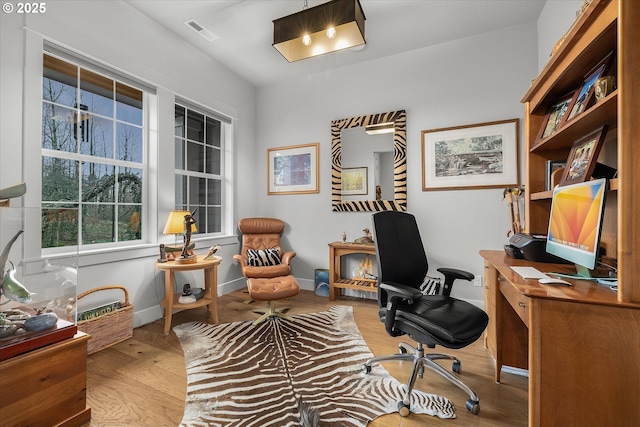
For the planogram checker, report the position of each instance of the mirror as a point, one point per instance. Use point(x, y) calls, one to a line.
point(369, 172)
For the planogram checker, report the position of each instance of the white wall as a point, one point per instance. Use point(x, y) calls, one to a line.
point(472, 80)
point(554, 22)
point(118, 35)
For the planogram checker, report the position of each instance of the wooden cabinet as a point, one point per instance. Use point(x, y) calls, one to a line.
point(579, 344)
point(47, 386)
point(605, 26)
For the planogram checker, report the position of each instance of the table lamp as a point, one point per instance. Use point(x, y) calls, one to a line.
point(177, 224)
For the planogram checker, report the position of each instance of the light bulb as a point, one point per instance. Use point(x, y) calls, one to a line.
point(331, 32)
point(306, 40)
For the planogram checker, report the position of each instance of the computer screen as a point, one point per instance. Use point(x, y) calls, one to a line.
point(575, 223)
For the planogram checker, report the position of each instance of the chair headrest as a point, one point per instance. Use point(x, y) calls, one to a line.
point(260, 226)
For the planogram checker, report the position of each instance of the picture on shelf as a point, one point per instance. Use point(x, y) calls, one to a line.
point(582, 157)
point(582, 98)
point(555, 116)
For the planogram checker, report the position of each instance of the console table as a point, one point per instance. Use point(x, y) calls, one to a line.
point(579, 344)
point(210, 297)
point(336, 251)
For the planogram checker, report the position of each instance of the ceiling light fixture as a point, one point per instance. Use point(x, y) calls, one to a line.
point(326, 28)
point(379, 128)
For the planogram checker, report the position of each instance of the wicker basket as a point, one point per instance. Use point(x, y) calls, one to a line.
point(110, 328)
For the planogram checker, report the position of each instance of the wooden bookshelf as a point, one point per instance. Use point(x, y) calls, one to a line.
point(605, 26)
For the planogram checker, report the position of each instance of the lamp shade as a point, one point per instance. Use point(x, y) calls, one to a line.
point(328, 27)
point(175, 223)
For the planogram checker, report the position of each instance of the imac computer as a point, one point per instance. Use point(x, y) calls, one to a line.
point(575, 224)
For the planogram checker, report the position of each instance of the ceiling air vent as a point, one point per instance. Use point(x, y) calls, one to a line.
point(208, 35)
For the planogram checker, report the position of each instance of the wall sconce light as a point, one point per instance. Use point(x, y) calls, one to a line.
point(177, 223)
point(379, 128)
point(326, 28)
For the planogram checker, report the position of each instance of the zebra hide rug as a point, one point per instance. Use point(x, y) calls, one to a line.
point(244, 375)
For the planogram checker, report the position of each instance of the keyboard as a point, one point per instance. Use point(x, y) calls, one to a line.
point(529, 272)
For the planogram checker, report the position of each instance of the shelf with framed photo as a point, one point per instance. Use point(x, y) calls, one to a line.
point(599, 44)
point(603, 26)
point(555, 116)
point(584, 97)
point(583, 157)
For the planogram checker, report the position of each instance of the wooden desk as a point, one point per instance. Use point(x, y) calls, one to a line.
point(580, 345)
point(336, 251)
point(46, 386)
point(210, 298)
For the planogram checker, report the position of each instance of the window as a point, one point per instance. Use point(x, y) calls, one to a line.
point(199, 166)
point(92, 157)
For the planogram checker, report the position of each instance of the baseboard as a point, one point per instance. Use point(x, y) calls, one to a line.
point(154, 313)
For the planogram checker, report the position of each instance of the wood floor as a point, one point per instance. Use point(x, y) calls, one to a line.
point(142, 381)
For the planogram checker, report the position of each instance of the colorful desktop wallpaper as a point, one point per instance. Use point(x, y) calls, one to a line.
point(575, 216)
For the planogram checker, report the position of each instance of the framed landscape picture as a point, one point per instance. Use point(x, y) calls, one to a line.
point(483, 155)
point(293, 170)
point(354, 181)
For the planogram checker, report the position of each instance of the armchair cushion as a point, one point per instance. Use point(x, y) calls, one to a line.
point(263, 257)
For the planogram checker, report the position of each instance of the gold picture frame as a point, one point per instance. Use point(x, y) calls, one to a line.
point(354, 181)
point(293, 169)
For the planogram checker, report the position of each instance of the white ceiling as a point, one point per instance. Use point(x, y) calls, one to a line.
point(245, 29)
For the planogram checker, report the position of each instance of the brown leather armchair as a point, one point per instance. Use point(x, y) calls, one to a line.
point(264, 263)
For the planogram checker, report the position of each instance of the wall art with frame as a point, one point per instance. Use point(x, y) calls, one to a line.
point(582, 157)
point(354, 181)
point(293, 169)
point(482, 155)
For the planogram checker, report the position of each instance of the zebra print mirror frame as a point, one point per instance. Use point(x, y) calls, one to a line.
point(399, 202)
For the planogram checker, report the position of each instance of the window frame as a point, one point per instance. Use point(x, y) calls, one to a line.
point(225, 131)
point(103, 71)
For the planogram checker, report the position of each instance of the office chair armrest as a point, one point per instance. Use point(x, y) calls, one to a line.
point(400, 291)
point(450, 275)
point(397, 293)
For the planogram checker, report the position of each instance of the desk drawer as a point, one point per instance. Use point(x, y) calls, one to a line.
point(519, 302)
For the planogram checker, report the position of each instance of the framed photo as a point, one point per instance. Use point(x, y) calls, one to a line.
point(483, 155)
point(583, 96)
point(582, 157)
point(554, 117)
point(293, 170)
point(354, 181)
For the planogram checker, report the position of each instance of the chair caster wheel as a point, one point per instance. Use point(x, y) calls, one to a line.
point(473, 406)
point(457, 367)
point(403, 409)
point(366, 369)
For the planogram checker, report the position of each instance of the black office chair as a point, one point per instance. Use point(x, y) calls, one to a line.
point(429, 319)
